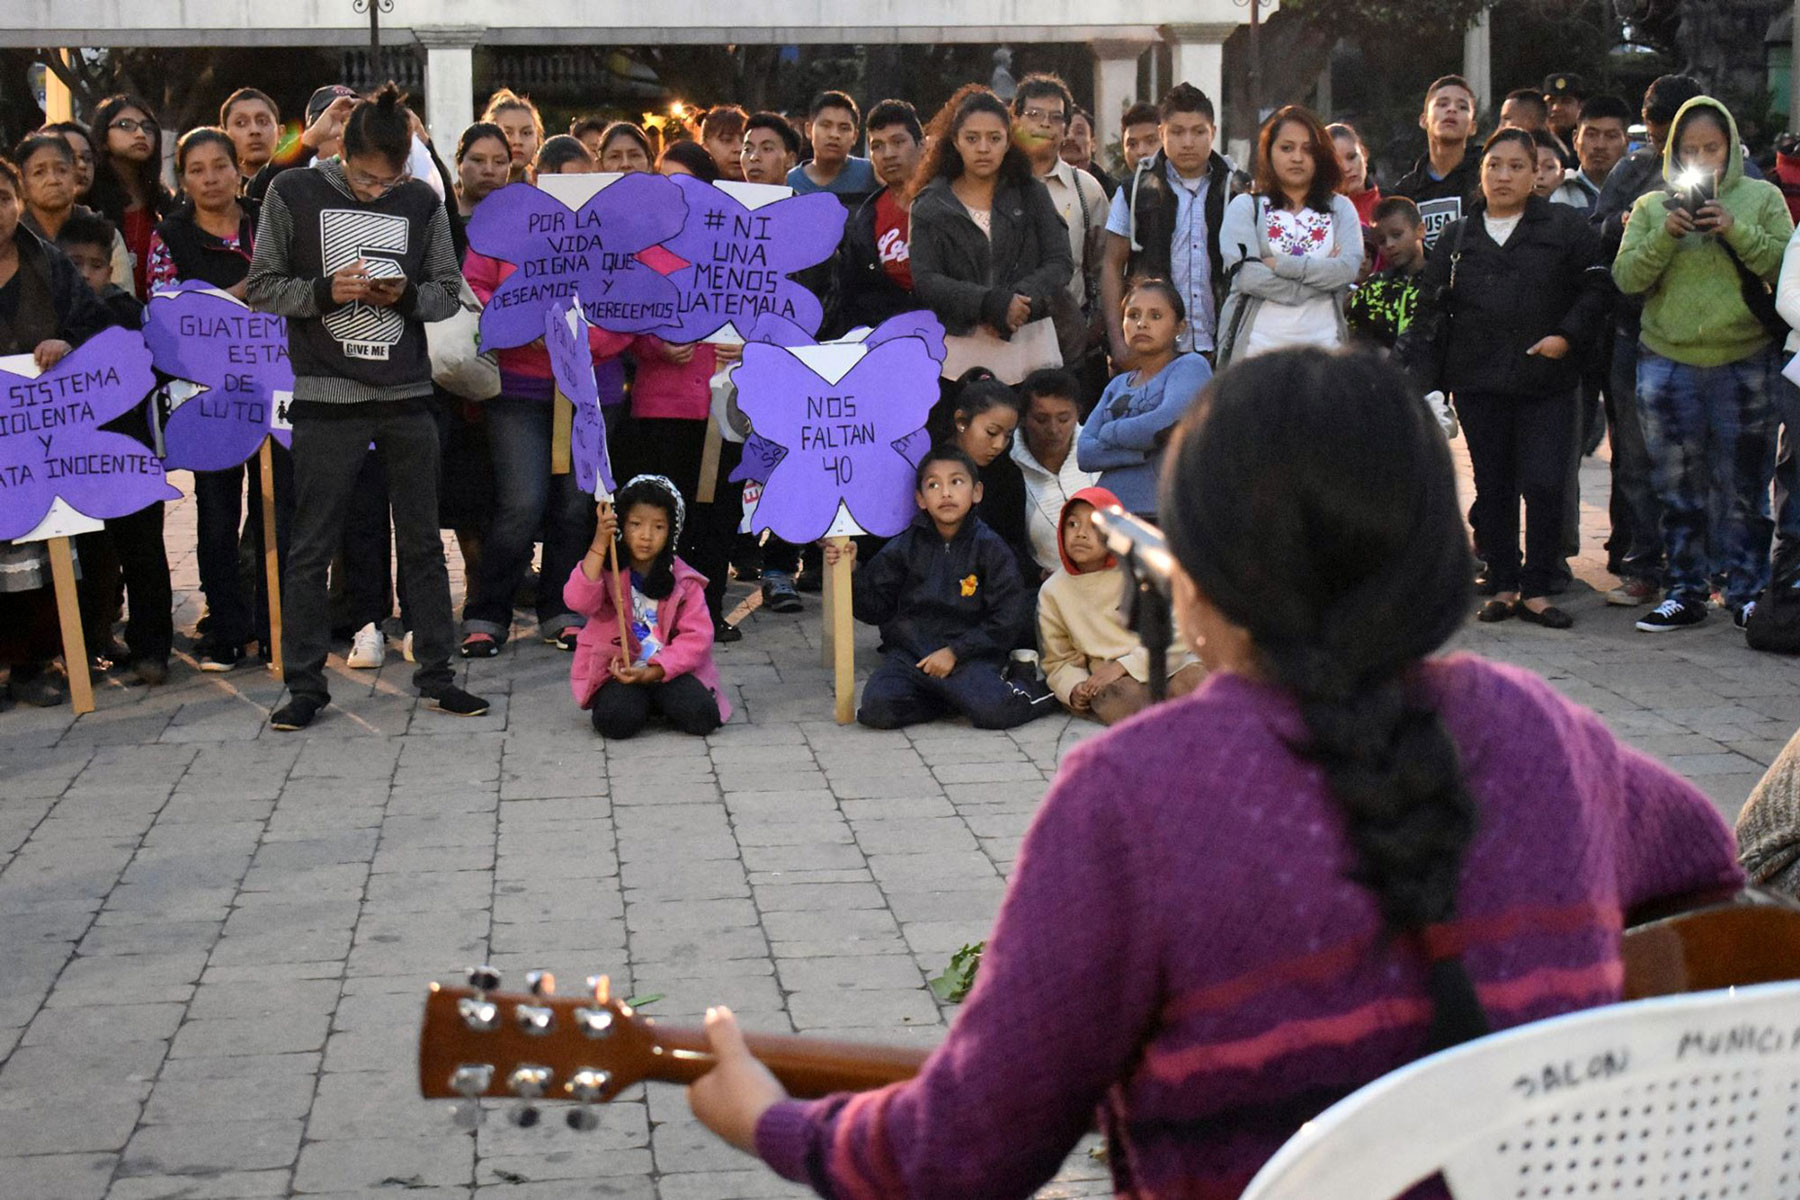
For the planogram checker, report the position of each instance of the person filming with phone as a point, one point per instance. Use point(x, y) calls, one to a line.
point(1703, 254)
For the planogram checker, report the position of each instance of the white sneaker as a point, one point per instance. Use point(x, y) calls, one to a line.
point(406, 647)
point(368, 649)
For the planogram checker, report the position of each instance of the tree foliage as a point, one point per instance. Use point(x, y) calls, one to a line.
point(1358, 19)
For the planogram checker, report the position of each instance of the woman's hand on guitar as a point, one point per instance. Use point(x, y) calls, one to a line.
point(732, 1097)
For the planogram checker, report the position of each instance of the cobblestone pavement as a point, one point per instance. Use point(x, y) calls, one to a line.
point(217, 937)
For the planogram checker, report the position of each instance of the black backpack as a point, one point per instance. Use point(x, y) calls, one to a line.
point(1775, 624)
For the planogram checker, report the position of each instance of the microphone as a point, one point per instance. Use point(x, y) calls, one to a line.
point(1137, 543)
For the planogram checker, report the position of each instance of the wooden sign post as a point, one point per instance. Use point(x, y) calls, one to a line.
point(710, 452)
point(840, 633)
point(265, 463)
point(68, 612)
point(561, 429)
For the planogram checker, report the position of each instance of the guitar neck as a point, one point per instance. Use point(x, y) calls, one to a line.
point(807, 1067)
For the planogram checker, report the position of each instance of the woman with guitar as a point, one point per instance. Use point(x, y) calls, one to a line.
point(1339, 854)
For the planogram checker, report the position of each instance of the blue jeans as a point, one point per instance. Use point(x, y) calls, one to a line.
point(528, 498)
point(1711, 436)
point(1634, 551)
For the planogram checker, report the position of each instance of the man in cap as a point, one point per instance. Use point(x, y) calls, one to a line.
point(326, 111)
point(1563, 93)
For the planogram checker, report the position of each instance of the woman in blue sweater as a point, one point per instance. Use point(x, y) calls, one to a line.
point(1125, 436)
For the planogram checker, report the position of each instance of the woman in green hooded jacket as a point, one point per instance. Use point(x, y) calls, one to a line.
point(1701, 252)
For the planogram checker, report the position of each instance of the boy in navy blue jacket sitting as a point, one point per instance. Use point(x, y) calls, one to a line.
point(947, 596)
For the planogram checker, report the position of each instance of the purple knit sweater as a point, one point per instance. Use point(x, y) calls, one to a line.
point(1181, 947)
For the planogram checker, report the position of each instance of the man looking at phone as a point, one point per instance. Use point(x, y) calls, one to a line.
point(357, 256)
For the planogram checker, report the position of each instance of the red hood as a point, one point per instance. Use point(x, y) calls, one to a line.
point(1101, 499)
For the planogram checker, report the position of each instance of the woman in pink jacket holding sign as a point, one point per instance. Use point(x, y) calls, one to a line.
point(528, 494)
point(657, 658)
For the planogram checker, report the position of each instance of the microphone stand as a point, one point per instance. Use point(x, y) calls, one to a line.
point(1148, 614)
point(1142, 554)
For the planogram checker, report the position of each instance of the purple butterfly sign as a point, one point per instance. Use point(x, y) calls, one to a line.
point(583, 251)
point(239, 360)
point(735, 256)
point(572, 365)
point(51, 444)
point(843, 416)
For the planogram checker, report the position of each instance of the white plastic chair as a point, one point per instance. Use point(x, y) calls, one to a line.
point(1693, 1097)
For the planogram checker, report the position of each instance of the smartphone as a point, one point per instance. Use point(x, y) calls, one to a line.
point(1694, 190)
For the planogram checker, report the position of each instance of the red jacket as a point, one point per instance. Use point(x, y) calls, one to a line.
point(670, 389)
point(1787, 178)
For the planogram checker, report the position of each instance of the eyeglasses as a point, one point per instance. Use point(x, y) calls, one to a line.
point(130, 126)
point(1049, 116)
point(381, 187)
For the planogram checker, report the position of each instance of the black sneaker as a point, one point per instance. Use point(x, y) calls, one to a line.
point(1672, 614)
point(213, 656)
point(1741, 618)
point(724, 633)
point(780, 595)
point(40, 688)
point(297, 713)
point(458, 703)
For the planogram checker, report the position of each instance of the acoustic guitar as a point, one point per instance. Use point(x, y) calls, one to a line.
point(479, 1042)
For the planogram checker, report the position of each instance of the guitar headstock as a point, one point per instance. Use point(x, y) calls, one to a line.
point(480, 1042)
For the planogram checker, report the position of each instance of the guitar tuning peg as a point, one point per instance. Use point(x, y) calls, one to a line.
point(541, 983)
point(528, 1084)
point(587, 1086)
point(483, 1016)
point(601, 986)
point(484, 978)
point(472, 1079)
point(469, 1081)
point(534, 1019)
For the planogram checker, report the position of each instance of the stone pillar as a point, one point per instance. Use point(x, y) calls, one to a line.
point(1199, 54)
point(1794, 70)
point(1478, 65)
point(449, 81)
point(1115, 83)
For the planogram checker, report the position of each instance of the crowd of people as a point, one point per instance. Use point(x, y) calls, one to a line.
point(1543, 287)
point(1263, 361)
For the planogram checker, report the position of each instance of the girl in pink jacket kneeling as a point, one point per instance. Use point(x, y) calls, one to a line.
point(667, 667)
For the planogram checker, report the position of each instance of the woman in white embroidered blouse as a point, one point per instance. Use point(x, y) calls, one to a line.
point(1291, 246)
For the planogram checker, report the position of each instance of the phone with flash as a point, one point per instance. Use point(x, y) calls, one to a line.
point(1695, 189)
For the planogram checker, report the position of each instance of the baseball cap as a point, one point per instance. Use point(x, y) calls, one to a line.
point(1565, 83)
point(322, 99)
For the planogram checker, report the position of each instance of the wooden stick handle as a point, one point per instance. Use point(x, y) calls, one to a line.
point(562, 428)
point(68, 612)
point(843, 640)
point(265, 462)
point(622, 591)
point(710, 451)
point(807, 1067)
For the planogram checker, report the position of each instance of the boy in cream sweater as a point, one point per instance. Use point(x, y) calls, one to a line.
point(1093, 663)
